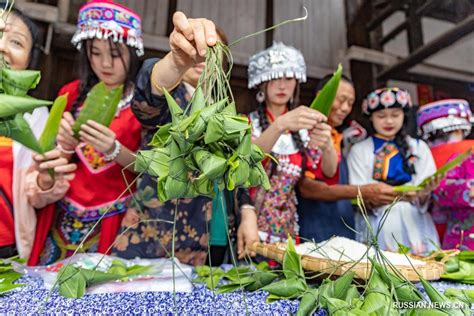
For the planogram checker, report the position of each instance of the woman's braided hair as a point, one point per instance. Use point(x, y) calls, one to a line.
point(264, 123)
point(401, 140)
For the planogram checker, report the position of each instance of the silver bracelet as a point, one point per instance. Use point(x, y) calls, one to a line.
point(115, 153)
point(64, 151)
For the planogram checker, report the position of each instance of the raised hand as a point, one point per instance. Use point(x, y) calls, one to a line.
point(190, 39)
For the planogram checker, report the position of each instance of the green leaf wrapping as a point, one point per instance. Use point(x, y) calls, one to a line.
point(154, 162)
point(20, 131)
point(48, 137)
point(291, 261)
point(261, 278)
point(325, 98)
point(211, 165)
point(19, 82)
point(308, 303)
point(286, 288)
point(11, 105)
point(405, 291)
point(100, 106)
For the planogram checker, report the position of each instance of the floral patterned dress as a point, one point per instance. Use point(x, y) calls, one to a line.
point(153, 236)
point(276, 208)
point(98, 187)
point(453, 203)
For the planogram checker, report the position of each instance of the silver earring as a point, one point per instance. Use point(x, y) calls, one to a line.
point(260, 96)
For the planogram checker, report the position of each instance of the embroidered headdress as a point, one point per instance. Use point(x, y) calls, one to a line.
point(276, 62)
point(106, 19)
point(446, 116)
point(386, 98)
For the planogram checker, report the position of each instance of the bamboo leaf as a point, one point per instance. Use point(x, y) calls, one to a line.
point(48, 137)
point(20, 131)
point(175, 110)
point(12, 105)
point(308, 303)
point(287, 288)
point(325, 98)
point(19, 82)
point(262, 278)
point(100, 106)
point(292, 261)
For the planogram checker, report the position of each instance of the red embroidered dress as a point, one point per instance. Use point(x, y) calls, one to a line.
point(276, 208)
point(7, 230)
point(97, 187)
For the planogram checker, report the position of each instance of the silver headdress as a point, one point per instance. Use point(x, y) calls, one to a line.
point(276, 62)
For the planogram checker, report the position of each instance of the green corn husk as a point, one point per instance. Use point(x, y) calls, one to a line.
point(325, 98)
point(48, 137)
point(11, 105)
point(100, 106)
point(19, 82)
point(309, 303)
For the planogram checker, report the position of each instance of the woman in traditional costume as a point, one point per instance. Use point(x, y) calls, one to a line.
point(109, 40)
point(19, 48)
point(286, 130)
point(393, 157)
point(445, 124)
point(148, 224)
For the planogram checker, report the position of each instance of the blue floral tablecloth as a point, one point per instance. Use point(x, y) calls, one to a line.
point(34, 299)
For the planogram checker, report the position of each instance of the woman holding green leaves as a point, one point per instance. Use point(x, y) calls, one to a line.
point(178, 72)
point(393, 157)
point(19, 48)
point(286, 130)
point(108, 37)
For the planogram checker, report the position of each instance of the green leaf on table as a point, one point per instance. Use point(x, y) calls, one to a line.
point(325, 98)
point(292, 261)
point(262, 278)
point(287, 288)
point(7, 287)
point(308, 304)
point(72, 284)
